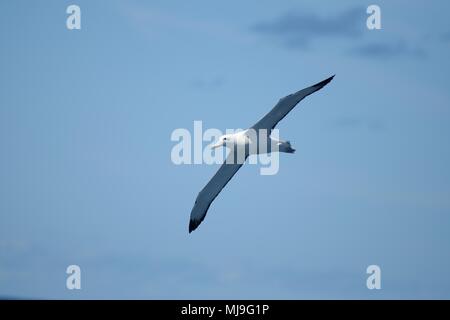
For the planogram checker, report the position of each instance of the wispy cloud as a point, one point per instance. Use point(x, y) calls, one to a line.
point(387, 50)
point(208, 83)
point(353, 122)
point(299, 29)
point(151, 20)
point(445, 37)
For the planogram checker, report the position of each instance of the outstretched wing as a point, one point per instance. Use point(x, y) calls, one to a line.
point(211, 190)
point(285, 105)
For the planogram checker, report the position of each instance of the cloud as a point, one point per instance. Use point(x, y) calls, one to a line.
point(152, 20)
point(208, 83)
point(372, 124)
point(299, 29)
point(445, 37)
point(387, 50)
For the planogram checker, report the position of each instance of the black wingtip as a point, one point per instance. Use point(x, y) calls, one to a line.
point(193, 224)
point(324, 82)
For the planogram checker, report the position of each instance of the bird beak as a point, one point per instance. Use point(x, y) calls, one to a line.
point(217, 145)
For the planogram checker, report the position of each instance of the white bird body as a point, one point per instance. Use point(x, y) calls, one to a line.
point(255, 140)
point(249, 140)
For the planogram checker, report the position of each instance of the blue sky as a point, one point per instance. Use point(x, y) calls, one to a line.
point(86, 176)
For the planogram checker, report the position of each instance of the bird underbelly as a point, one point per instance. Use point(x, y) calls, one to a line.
point(262, 146)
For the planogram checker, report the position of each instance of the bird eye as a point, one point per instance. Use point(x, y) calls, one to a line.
point(225, 139)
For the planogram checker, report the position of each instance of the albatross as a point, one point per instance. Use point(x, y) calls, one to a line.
point(245, 141)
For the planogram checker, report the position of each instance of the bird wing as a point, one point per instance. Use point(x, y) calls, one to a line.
point(211, 190)
point(285, 105)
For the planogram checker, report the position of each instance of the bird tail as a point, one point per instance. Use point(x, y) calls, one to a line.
point(290, 150)
point(286, 147)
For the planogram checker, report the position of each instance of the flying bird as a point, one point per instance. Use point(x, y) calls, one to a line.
point(248, 142)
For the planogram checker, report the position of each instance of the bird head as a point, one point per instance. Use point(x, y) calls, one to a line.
point(223, 141)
